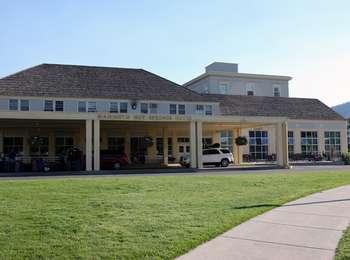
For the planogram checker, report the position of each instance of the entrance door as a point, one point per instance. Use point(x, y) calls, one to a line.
point(138, 150)
point(184, 146)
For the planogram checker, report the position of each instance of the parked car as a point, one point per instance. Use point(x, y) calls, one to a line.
point(111, 160)
point(214, 156)
point(217, 156)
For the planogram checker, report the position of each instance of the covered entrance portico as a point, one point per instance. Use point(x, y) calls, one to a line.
point(224, 130)
point(147, 140)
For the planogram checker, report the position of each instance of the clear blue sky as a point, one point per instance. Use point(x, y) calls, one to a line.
point(306, 39)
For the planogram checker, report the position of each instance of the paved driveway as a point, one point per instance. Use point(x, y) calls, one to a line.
point(185, 172)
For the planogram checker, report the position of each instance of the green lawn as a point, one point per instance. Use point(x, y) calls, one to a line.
point(138, 217)
point(343, 250)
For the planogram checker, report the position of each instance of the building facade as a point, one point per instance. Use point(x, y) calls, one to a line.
point(50, 109)
point(306, 135)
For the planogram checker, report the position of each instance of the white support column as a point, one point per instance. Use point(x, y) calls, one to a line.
point(193, 145)
point(321, 144)
point(88, 144)
point(282, 144)
point(199, 134)
point(165, 147)
point(237, 154)
point(343, 140)
point(96, 144)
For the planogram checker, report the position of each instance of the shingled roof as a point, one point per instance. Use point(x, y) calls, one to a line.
point(54, 80)
point(292, 108)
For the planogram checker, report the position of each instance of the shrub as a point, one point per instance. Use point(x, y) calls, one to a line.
point(346, 158)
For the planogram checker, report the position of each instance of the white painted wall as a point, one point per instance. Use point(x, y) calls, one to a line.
point(239, 85)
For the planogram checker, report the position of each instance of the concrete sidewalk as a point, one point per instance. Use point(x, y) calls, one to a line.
point(308, 228)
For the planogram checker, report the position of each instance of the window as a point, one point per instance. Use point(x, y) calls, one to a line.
point(92, 107)
point(144, 108)
point(183, 140)
point(24, 105)
point(208, 110)
point(160, 146)
point(224, 88)
point(210, 151)
point(59, 106)
point(13, 144)
point(250, 89)
point(113, 107)
point(116, 144)
point(332, 144)
point(13, 104)
point(199, 109)
point(206, 89)
point(63, 144)
point(258, 145)
point(172, 109)
point(81, 106)
point(225, 151)
point(182, 110)
point(276, 91)
point(290, 144)
point(226, 140)
point(123, 107)
point(309, 142)
point(48, 105)
point(153, 108)
point(39, 146)
point(181, 149)
point(207, 141)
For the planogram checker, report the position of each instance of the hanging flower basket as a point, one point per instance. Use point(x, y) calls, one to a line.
point(241, 140)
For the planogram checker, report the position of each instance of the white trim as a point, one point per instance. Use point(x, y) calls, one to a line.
point(140, 117)
point(236, 75)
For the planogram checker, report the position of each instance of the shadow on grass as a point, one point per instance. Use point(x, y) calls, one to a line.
point(290, 204)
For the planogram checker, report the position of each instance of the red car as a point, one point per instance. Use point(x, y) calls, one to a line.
point(111, 160)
